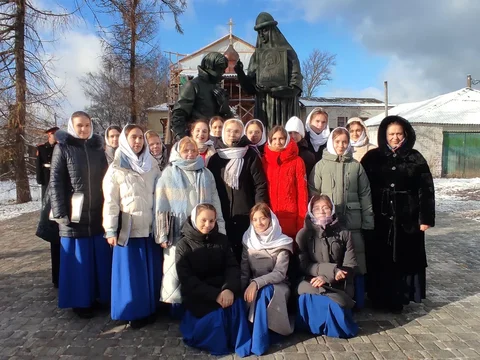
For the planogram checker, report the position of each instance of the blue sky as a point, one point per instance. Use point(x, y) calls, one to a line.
point(423, 48)
point(356, 68)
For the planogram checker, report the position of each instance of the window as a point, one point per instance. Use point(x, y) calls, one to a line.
point(341, 121)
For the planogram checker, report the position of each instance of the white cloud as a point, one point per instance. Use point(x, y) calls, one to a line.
point(75, 54)
point(431, 45)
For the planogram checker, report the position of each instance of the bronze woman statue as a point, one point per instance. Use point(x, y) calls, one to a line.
point(274, 74)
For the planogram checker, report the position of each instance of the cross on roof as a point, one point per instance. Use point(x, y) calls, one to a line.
point(230, 24)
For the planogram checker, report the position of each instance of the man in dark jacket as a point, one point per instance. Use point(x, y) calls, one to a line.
point(48, 230)
point(202, 97)
point(44, 158)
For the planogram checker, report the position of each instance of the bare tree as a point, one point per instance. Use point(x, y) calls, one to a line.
point(25, 76)
point(131, 37)
point(317, 70)
point(109, 91)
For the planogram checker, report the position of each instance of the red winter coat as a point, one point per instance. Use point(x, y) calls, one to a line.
point(287, 187)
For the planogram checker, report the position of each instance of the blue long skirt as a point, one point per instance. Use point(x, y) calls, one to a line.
point(322, 316)
point(134, 279)
point(220, 332)
point(359, 291)
point(85, 272)
point(262, 336)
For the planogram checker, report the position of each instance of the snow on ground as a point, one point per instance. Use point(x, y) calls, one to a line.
point(459, 196)
point(8, 208)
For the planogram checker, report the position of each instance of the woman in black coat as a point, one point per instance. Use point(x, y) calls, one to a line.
point(215, 318)
point(77, 170)
point(403, 200)
point(240, 181)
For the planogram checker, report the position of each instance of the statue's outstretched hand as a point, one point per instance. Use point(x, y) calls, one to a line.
point(239, 68)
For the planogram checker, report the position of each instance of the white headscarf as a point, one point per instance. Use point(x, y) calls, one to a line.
point(316, 140)
point(140, 163)
point(270, 239)
point(235, 155)
point(106, 134)
point(313, 218)
point(71, 129)
point(263, 139)
point(193, 216)
point(363, 139)
point(330, 147)
point(295, 124)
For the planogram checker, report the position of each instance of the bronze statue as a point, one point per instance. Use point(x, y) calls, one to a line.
point(274, 75)
point(202, 97)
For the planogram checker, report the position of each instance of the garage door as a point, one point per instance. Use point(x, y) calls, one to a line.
point(461, 155)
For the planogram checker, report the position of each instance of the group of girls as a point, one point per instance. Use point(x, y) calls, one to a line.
point(225, 234)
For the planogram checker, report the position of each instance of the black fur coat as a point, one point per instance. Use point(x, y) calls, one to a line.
point(403, 198)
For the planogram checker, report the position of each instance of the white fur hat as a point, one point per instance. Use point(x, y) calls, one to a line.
point(295, 124)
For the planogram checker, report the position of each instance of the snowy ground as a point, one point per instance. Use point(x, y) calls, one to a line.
point(461, 196)
point(8, 208)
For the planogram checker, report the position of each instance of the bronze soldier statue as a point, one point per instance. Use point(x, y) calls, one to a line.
point(202, 97)
point(274, 75)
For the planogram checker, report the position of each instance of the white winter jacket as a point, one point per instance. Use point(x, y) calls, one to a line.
point(130, 192)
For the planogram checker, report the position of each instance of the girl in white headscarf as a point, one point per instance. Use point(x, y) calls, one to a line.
point(318, 131)
point(265, 258)
point(344, 180)
point(77, 169)
point(359, 138)
point(128, 188)
point(255, 132)
point(240, 181)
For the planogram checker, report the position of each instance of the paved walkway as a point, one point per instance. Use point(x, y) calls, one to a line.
point(445, 326)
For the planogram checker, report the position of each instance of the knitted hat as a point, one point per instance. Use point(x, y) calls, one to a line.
point(295, 124)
